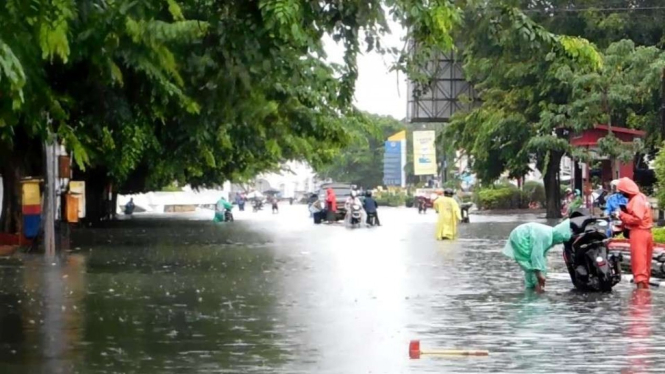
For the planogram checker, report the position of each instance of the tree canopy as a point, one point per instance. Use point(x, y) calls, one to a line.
point(361, 162)
point(144, 93)
point(537, 86)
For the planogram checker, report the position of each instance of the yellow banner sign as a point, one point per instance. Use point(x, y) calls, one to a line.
point(424, 153)
point(31, 194)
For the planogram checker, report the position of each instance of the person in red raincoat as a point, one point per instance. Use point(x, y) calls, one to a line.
point(637, 219)
point(331, 206)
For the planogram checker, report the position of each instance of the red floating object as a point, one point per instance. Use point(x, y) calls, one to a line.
point(414, 349)
point(415, 352)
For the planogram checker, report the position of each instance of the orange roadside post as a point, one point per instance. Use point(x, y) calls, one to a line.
point(415, 352)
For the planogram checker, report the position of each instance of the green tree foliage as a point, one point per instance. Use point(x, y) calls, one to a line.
point(602, 22)
point(361, 162)
point(659, 164)
point(514, 64)
point(625, 93)
point(537, 87)
point(144, 93)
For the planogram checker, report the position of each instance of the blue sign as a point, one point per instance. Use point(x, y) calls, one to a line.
point(392, 163)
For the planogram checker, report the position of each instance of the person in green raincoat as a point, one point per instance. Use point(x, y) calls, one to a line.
point(576, 203)
point(528, 245)
point(221, 207)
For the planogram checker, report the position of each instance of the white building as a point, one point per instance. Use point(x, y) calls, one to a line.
point(295, 180)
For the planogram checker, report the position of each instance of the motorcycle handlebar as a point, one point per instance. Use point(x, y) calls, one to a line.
point(604, 241)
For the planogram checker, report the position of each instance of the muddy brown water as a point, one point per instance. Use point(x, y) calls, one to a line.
point(276, 294)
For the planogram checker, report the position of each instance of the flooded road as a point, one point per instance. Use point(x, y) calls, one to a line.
point(276, 294)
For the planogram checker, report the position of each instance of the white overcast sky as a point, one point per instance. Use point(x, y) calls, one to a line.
point(377, 90)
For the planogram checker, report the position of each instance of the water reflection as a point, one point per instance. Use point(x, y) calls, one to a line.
point(639, 331)
point(278, 294)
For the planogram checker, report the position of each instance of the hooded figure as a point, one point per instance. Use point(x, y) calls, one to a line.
point(449, 214)
point(637, 220)
point(331, 205)
point(576, 203)
point(616, 199)
point(221, 206)
point(528, 245)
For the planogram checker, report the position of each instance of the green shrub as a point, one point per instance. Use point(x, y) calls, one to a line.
point(659, 169)
point(391, 199)
point(535, 192)
point(171, 188)
point(659, 235)
point(501, 198)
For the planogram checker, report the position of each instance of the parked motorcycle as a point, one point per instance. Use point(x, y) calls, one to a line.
point(589, 263)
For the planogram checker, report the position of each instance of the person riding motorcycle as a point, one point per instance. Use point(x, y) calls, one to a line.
point(350, 202)
point(370, 205)
point(129, 207)
point(576, 203)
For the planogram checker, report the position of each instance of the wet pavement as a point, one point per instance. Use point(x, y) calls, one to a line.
point(274, 293)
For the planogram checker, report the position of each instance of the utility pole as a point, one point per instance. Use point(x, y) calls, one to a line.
point(49, 199)
point(661, 209)
point(49, 189)
point(662, 107)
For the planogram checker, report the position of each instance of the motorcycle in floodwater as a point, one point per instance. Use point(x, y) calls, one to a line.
point(464, 210)
point(590, 265)
point(228, 215)
point(422, 206)
point(356, 214)
point(372, 219)
point(257, 205)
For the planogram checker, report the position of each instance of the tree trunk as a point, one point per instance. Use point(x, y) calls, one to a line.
point(552, 185)
point(112, 207)
point(97, 204)
point(21, 158)
point(11, 172)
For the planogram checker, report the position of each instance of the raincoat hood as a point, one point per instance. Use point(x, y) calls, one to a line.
point(330, 192)
point(561, 233)
point(627, 186)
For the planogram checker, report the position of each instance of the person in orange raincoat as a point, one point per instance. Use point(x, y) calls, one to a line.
point(636, 218)
point(331, 206)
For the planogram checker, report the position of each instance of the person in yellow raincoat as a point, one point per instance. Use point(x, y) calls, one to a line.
point(449, 215)
point(528, 245)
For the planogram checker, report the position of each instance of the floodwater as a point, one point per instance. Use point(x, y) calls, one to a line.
point(276, 294)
